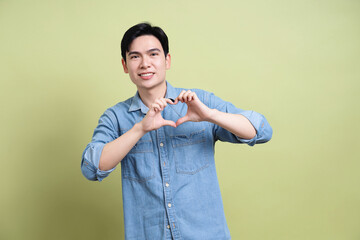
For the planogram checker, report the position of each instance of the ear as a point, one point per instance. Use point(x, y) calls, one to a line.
point(124, 66)
point(168, 61)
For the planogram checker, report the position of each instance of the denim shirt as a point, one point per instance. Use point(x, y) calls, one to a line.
point(169, 184)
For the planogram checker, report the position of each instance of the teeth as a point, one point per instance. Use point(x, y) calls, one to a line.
point(146, 74)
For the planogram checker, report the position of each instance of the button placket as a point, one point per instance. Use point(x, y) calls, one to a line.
point(170, 209)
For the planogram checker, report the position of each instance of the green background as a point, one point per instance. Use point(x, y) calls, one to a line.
point(296, 62)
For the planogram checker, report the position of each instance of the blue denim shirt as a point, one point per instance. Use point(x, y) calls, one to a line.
point(169, 184)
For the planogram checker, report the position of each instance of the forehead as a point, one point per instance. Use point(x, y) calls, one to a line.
point(144, 43)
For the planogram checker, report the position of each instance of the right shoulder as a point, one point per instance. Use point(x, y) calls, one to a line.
point(116, 111)
point(120, 106)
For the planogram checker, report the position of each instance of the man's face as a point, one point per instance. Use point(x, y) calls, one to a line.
point(146, 62)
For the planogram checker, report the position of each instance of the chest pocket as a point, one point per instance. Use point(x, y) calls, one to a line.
point(190, 152)
point(138, 164)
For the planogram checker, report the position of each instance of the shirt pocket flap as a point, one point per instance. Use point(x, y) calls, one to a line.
point(189, 152)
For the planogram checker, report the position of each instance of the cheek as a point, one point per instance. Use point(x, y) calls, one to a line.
point(161, 66)
point(132, 70)
point(132, 75)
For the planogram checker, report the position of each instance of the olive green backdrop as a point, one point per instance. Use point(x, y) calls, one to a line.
point(296, 62)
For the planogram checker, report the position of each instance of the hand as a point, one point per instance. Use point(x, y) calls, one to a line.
point(197, 111)
point(153, 119)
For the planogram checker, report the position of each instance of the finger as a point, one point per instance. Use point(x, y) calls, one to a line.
point(191, 96)
point(164, 102)
point(195, 97)
point(180, 97)
point(169, 123)
point(176, 101)
point(186, 96)
point(156, 107)
point(182, 120)
point(170, 101)
point(160, 103)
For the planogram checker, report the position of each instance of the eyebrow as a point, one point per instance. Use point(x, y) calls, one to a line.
point(150, 50)
point(154, 50)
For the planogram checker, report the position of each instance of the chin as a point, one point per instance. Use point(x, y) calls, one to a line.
point(151, 83)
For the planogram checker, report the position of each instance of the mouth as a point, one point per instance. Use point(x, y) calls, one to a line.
point(148, 74)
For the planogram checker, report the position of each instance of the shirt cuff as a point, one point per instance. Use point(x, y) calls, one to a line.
point(92, 158)
point(100, 174)
point(262, 127)
point(255, 119)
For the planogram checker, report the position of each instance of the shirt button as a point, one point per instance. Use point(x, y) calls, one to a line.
point(167, 185)
point(169, 205)
point(161, 144)
point(168, 226)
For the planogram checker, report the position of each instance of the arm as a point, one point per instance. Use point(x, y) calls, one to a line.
point(246, 126)
point(104, 132)
point(234, 123)
point(113, 152)
point(107, 148)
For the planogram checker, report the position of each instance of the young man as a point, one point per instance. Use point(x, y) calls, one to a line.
point(164, 138)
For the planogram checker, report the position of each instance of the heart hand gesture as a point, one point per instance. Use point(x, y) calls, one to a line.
point(197, 111)
point(153, 119)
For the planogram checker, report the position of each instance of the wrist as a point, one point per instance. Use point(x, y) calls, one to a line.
point(211, 116)
point(138, 127)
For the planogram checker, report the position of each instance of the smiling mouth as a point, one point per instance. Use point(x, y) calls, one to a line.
point(146, 74)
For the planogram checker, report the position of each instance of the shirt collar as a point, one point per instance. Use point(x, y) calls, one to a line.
point(137, 104)
point(171, 92)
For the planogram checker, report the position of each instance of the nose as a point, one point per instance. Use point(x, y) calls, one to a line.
point(145, 62)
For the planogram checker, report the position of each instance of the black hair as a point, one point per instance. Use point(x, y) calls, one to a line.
point(140, 30)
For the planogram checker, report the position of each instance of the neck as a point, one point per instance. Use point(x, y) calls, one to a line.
point(148, 96)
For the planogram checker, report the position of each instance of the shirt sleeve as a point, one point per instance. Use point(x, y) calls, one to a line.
point(104, 132)
point(261, 125)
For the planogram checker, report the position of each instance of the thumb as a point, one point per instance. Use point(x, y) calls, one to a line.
point(182, 120)
point(169, 123)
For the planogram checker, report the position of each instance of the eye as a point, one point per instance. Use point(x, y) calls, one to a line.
point(154, 54)
point(133, 56)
